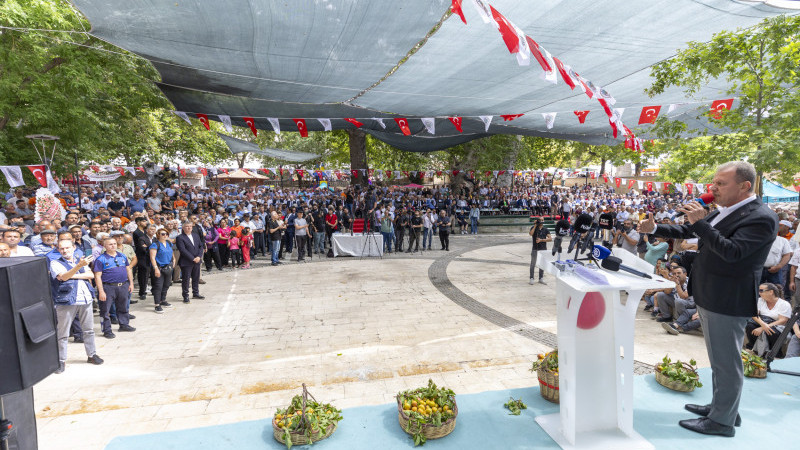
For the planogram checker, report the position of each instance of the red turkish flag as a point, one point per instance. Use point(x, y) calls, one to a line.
point(618, 182)
point(631, 183)
point(456, 8)
point(354, 122)
point(581, 115)
point(501, 172)
point(354, 173)
point(456, 123)
point(510, 117)
point(689, 188)
point(666, 186)
point(40, 173)
point(300, 172)
point(140, 169)
point(95, 168)
point(718, 105)
point(204, 171)
point(506, 30)
point(649, 186)
point(120, 170)
point(402, 122)
point(252, 124)
point(405, 172)
point(564, 74)
point(708, 187)
point(225, 171)
point(338, 175)
point(487, 173)
point(439, 173)
point(538, 54)
point(204, 120)
point(301, 127)
point(649, 114)
point(183, 172)
point(605, 178)
point(456, 172)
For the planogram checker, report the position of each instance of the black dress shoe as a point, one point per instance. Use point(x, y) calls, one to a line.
point(114, 321)
point(109, 335)
point(126, 328)
point(704, 425)
point(198, 297)
point(186, 300)
point(78, 340)
point(131, 316)
point(94, 359)
point(704, 410)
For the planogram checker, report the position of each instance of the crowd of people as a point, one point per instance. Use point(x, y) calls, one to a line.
point(674, 308)
point(117, 245)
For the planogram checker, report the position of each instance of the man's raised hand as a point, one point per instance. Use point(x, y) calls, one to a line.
point(648, 225)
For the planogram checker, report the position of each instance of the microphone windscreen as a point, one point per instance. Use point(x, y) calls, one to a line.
point(706, 199)
point(606, 221)
point(600, 252)
point(611, 263)
point(583, 223)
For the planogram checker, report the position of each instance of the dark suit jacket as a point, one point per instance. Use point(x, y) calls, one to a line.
point(188, 251)
point(141, 245)
point(727, 270)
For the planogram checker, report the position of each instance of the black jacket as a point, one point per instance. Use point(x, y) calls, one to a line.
point(730, 256)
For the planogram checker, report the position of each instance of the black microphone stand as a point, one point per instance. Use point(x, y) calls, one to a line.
point(787, 330)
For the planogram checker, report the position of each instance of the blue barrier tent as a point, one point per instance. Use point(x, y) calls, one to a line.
point(362, 59)
point(775, 193)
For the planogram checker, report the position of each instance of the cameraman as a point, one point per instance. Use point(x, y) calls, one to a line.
point(627, 237)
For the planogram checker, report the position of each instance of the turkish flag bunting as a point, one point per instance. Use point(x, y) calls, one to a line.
point(667, 184)
point(456, 8)
point(501, 172)
point(301, 127)
point(506, 30)
point(649, 114)
point(439, 173)
point(510, 117)
point(402, 122)
point(592, 175)
point(204, 171)
point(456, 172)
point(563, 71)
point(581, 115)
point(689, 187)
point(39, 173)
point(487, 173)
point(183, 172)
point(354, 172)
point(225, 171)
point(140, 169)
point(605, 178)
point(338, 175)
point(252, 124)
point(120, 170)
point(631, 183)
point(405, 172)
point(618, 182)
point(472, 174)
point(649, 186)
point(354, 122)
point(204, 120)
point(537, 53)
point(456, 123)
point(718, 105)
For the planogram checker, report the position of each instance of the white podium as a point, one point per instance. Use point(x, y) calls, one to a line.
point(595, 356)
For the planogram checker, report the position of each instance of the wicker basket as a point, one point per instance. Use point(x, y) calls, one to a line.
point(298, 437)
point(428, 430)
point(673, 384)
point(548, 384)
point(758, 372)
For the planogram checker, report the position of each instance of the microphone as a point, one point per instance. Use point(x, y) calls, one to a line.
point(612, 263)
point(582, 225)
point(704, 201)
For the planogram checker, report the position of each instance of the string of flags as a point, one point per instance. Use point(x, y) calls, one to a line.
point(41, 172)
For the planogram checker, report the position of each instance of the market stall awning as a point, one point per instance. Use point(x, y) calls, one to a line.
point(353, 59)
point(775, 193)
point(239, 146)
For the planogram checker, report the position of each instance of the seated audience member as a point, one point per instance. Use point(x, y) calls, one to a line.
point(773, 313)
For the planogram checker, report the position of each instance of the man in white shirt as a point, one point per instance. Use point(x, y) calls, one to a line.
point(12, 237)
point(779, 255)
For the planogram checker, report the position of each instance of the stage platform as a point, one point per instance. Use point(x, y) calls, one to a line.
point(770, 410)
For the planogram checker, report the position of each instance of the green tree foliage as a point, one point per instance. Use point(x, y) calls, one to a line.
point(761, 65)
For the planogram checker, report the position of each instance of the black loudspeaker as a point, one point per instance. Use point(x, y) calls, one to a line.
point(19, 410)
point(28, 345)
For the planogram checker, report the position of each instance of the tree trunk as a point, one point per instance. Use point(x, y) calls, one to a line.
point(510, 158)
point(240, 160)
point(637, 171)
point(470, 161)
point(358, 156)
point(602, 166)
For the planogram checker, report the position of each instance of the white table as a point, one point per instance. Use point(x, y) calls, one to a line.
point(357, 244)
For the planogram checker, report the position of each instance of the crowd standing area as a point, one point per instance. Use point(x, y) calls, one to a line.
point(116, 246)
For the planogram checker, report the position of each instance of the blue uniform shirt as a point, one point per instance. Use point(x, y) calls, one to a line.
point(114, 269)
point(163, 252)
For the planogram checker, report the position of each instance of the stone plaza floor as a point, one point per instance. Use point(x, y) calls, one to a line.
point(356, 331)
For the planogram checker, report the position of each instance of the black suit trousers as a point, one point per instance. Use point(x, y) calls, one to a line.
point(190, 274)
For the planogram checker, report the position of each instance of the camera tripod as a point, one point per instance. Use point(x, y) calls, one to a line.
point(370, 239)
point(787, 331)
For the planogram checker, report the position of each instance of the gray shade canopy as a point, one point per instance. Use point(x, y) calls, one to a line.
point(240, 146)
point(335, 59)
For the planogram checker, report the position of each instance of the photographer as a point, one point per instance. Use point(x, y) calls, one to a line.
point(541, 236)
point(626, 237)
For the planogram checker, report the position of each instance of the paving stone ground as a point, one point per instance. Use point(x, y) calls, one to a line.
point(356, 331)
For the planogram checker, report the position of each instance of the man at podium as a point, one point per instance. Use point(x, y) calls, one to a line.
point(734, 242)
